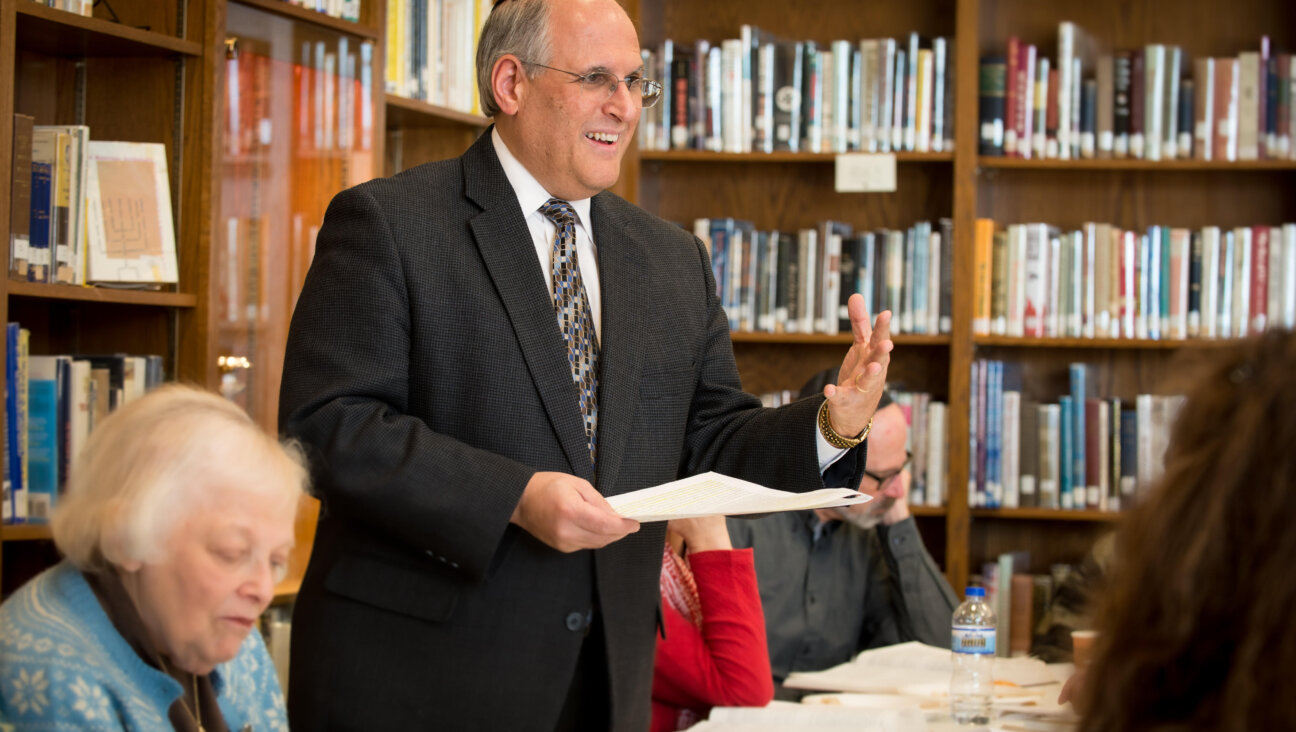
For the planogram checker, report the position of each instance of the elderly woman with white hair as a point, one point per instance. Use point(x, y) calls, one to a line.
point(176, 525)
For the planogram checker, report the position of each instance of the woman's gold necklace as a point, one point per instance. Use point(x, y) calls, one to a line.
point(196, 713)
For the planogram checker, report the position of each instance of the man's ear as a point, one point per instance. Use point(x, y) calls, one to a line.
point(508, 81)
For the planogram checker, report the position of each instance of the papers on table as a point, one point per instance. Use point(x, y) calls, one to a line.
point(1025, 688)
point(784, 716)
point(711, 494)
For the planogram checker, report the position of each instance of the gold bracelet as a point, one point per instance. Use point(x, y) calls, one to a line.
point(835, 439)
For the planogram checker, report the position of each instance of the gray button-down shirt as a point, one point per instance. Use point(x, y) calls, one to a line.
point(851, 589)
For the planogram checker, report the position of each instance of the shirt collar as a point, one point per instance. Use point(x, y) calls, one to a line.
point(530, 194)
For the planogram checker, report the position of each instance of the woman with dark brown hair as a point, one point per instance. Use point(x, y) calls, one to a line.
point(1196, 628)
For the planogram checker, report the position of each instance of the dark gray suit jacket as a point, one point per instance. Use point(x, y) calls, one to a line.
point(427, 377)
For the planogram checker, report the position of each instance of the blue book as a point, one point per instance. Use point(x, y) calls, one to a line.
point(1165, 282)
point(1066, 498)
point(994, 434)
point(42, 437)
point(1079, 393)
point(1155, 283)
point(15, 512)
point(42, 221)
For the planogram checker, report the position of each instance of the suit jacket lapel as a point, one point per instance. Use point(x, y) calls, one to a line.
point(623, 274)
point(504, 241)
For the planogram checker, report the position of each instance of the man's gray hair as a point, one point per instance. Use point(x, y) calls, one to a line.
point(519, 27)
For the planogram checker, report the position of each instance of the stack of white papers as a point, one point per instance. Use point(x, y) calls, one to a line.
point(713, 494)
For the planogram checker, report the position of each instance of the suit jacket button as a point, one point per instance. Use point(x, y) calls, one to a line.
point(575, 621)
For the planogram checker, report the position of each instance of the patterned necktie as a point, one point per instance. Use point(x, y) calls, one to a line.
point(572, 308)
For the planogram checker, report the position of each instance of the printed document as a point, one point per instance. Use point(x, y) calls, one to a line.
point(711, 494)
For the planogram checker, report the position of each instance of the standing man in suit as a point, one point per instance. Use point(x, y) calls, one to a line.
point(484, 348)
point(834, 582)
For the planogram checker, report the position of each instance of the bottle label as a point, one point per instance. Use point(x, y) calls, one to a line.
point(974, 640)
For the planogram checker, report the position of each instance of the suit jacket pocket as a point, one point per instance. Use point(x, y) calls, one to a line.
point(419, 594)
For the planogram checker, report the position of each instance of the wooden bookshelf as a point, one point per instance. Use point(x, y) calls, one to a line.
point(403, 112)
point(145, 76)
point(26, 532)
point(59, 33)
point(302, 15)
point(1141, 166)
point(1044, 514)
point(102, 294)
point(787, 191)
point(703, 156)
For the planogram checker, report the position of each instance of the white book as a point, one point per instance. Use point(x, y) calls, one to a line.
point(1129, 284)
point(1248, 119)
point(923, 106)
point(935, 454)
point(886, 93)
point(933, 282)
point(940, 61)
point(1050, 418)
point(1016, 279)
point(1179, 260)
point(1153, 102)
point(1041, 90)
point(1288, 275)
point(869, 102)
point(1170, 97)
point(1075, 304)
point(1242, 248)
point(131, 237)
point(1010, 448)
point(1053, 286)
point(1210, 237)
point(1088, 322)
point(1066, 54)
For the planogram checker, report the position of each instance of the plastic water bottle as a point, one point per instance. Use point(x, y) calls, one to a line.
point(973, 646)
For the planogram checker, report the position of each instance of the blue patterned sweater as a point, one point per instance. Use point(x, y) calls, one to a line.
point(63, 665)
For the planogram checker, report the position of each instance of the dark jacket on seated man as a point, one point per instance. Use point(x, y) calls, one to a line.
point(833, 584)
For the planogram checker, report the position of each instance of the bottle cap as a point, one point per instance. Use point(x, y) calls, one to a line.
point(976, 592)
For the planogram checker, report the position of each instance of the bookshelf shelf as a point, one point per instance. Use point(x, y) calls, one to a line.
point(403, 112)
point(845, 339)
point(1046, 514)
point(60, 33)
point(1101, 344)
point(26, 532)
point(927, 510)
point(704, 156)
point(1154, 166)
point(101, 294)
point(292, 12)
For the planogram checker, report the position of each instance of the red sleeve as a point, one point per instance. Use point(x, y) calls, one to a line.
point(726, 663)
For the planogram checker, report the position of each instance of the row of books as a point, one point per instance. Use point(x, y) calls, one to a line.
point(85, 211)
point(799, 282)
point(1022, 601)
point(51, 405)
point(1084, 453)
point(925, 442)
point(332, 86)
point(761, 93)
point(1150, 103)
point(344, 9)
point(1101, 281)
point(431, 45)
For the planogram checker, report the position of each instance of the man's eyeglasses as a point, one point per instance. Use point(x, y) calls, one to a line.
point(888, 477)
point(646, 91)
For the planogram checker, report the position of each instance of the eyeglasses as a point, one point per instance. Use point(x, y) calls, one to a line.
point(649, 91)
point(884, 479)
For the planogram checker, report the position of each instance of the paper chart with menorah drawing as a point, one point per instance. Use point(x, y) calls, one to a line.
point(711, 494)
